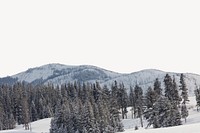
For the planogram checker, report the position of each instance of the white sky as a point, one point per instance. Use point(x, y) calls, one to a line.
point(122, 36)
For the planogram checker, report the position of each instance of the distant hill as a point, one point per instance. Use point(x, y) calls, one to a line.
point(59, 74)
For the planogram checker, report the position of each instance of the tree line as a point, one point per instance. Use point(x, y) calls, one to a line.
point(90, 107)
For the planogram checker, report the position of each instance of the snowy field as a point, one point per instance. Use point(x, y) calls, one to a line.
point(40, 126)
point(192, 125)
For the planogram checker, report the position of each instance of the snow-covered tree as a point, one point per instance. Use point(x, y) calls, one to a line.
point(139, 102)
point(168, 87)
point(183, 88)
point(184, 95)
point(132, 101)
point(184, 111)
point(61, 122)
point(197, 95)
point(122, 99)
point(175, 93)
point(157, 87)
point(150, 97)
point(162, 114)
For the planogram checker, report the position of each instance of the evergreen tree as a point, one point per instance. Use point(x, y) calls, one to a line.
point(2, 116)
point(88, 118)
point(184, 111)
point(184, 95)
point(157, 114)
point(150, 97)
point(114, 112)
point(197, 95)
point(168, 87)
point(25, 113)
point(157, 87)
point(139, 102)
point(61, 123)
point(33, 112)
point(171, 92)
point(123, 100)
point(132, 101)
point(162, 114)
point(77, 115)
point(183, 88)
point(175, 93)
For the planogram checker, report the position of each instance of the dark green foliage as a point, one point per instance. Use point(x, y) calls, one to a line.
point(176, 98)
point(97, 113)
point(139, 103)
point(162, 111)
point(7, 120)
point(157, 87)
point(162, 114)
point(62, 120)
point(132, 102)
point(184, 95)
point(183, 88)
point(168, 87)
point(150, 97)
point(197, 94)
point(122, 97)
point(184, 111)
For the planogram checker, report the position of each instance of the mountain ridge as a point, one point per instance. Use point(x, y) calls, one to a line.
point(58, 74)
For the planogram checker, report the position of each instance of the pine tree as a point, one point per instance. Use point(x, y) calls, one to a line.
point(61, 122)
point(123, 100)
point(197, 95)
point(114, 112)
point(25, 113)
point(162, 114)
point(184, 89)
point(88, 117)
point(175, 93)
point(184, 95)
point(157, 87)
point(77, 115)
point(2, 115)
point(139, 102)
point(171, 92)
point(132, 101)
point(7, 120)
point(157, 114)
point(184, 112)
point(33, 112)
point(150, 97)
point(168, 87)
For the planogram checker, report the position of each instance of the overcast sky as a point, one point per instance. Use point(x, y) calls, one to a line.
point(122, 36)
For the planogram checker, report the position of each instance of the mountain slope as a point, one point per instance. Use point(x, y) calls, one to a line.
point(59, 74)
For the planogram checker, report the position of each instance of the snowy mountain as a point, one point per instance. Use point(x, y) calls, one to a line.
point(59, 74)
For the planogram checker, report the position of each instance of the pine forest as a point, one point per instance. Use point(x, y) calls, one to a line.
point(93, 108)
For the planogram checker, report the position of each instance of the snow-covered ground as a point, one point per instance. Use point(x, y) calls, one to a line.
point(192, 125)
point(40, 126)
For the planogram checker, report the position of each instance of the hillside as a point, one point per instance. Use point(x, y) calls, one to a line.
point(59, 74)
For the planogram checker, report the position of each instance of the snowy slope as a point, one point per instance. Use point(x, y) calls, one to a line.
point(59, 74)
point(42, 72)
point(40, 126)
point(194, 128)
